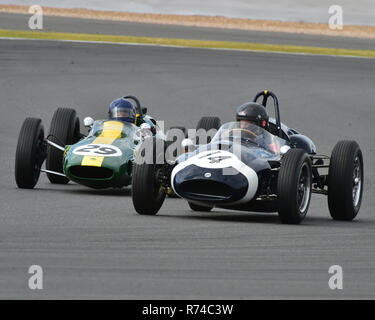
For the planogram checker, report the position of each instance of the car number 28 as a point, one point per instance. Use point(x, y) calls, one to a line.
point(105, 150)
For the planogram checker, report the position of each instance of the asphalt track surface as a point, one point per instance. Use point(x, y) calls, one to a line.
point(92, 244)
point(74, 25)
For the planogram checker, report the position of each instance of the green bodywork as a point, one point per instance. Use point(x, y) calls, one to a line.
point(114, 170)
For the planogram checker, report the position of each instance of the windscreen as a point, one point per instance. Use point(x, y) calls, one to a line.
point(104, 127)
point(249, 134)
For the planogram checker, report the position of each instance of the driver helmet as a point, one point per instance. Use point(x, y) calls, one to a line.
point(252, 113)
point(122, 109)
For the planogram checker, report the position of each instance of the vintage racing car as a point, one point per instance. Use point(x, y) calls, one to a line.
point(103, 158)
point(271, 169)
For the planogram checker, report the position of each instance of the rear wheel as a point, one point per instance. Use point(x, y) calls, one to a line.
point(147, 191)
point(196, 207)
point(210, 125)
point(345, 181)
point(64, 130)
point(30, 153)
point(294, 186)
point(182, 129)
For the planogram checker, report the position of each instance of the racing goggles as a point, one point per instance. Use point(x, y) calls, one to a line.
point(122, 113)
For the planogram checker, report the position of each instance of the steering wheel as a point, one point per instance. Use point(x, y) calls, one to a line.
point(246, 130)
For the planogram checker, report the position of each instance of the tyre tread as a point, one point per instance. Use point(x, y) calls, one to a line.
point(61, 131)
point(25, 153)
point(340, 177)
point(287, 179)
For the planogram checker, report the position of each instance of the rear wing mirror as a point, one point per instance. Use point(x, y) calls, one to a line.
point(88, 122)
point(188, 145)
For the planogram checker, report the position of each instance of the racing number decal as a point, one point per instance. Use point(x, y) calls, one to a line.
point(87, 148)
point(218, 159)
point(98, 150)
point(215, 159)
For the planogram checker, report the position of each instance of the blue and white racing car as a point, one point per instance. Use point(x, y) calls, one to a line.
point(264, 167)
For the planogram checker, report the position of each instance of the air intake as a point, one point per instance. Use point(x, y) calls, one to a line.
point(87, 172)
point(211, 189)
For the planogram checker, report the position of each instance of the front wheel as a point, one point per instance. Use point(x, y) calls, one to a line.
point(147, 191)
point(294, 186)
point(345, 181)
point(30, 153)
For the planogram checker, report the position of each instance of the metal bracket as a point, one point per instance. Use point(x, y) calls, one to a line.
point(55, 145)
point(324, 192)
point(53, 172)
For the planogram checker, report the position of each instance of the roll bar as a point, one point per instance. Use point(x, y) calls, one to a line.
point(135, 99)
point(265, 94)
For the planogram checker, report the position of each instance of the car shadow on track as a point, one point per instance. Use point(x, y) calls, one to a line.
point(72, 189)
point(268, 218)
point(227, 217)
point(102, 192)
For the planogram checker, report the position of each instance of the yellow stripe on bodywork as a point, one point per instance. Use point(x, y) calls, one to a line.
point(91, 161)
point(112, 130)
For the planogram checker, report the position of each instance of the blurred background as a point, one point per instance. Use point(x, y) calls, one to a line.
point(359, 12)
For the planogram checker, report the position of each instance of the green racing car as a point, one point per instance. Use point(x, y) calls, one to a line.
point(102, 159)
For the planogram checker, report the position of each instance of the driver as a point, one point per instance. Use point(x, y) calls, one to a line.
point(122, 110)
point(252, 113)
point(251, 116)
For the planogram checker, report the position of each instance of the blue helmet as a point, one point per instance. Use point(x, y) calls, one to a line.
point(123, 110)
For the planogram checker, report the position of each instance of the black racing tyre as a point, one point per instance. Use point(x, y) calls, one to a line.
point(196, 207)
point(147, 192)
point(345, 181)
point(183, 129)
point(30, 153)
point(64, 130)
point(294, 186)
point(210, 125)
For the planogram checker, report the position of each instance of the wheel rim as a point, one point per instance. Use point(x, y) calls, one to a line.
point(304, 188)
point(158, 187)
point(357, 182)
